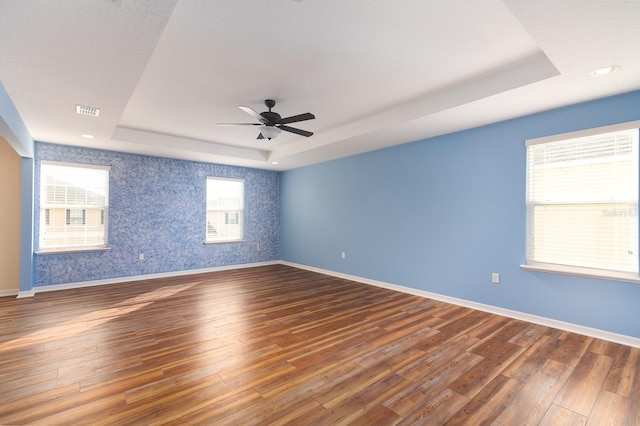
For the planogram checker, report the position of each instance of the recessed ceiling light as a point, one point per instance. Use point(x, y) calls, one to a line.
point(87, 136)
point(605, 71)
point(274, 162)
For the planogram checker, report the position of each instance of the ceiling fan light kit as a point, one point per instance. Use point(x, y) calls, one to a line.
point(271, 123)
point(269, 132)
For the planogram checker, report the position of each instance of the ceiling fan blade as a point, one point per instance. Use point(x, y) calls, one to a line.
point(238, 124)
point(260, 136)
point(296, 131)
point(252, 113)
point(296, 118)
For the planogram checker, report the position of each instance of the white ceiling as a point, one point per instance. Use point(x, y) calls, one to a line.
point(375, 73)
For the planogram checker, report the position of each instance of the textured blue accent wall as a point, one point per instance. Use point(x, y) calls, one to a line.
point(158, 207)
point(442, 214)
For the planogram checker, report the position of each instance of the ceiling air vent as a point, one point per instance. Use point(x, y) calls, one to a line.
point(87, 110)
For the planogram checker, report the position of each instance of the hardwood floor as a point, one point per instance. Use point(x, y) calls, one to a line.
point(279, 345)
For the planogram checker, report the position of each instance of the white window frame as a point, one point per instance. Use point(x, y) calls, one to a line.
point(65, 208)
point(532, 264)
point(227, 233)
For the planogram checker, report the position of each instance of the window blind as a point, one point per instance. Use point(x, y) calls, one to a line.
point(74, 199)
point(582, 202)
point(225, 210)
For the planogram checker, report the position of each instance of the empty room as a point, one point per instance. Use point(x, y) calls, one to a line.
point(237, 212)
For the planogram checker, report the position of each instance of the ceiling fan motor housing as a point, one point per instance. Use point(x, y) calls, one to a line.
point(271, 117)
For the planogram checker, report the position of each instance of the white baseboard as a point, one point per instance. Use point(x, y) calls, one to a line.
point(23, 294)
point(549, 322)
point(6, 293)
point(67, 286)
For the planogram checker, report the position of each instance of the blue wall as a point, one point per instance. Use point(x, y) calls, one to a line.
point(157, 207)
point(442, 214)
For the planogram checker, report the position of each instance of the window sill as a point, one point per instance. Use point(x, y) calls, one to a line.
point(63, 250)
point(224, 241)
point(582, 272)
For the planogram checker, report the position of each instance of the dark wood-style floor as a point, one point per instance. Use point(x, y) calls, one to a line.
point(279, 345)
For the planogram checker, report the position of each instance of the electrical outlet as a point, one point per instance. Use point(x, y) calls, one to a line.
point(495, 278)
point(343, 255)
point(258, 246)
point(141, 256)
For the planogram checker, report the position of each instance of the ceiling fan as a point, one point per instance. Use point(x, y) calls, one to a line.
point(271, 123)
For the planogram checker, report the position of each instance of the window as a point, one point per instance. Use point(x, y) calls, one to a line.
point(74, 202)
point(582, 202)
point(231, 218)
point(225, 209)
point(76, 217)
